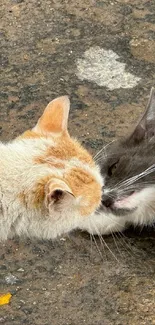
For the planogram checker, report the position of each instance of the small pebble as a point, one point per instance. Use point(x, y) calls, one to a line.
point(11, 279)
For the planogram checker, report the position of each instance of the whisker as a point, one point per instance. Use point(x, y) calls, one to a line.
point(101, 157)
point(103, 246)
point(104, 242)
point(97, 246)
point(121, 236)
point(98, 153)
point(91, 245)
point(103, 149)
point(131, 180)
point(91, 240)
point(117, 223)
point(110, 250)
point(115, 241)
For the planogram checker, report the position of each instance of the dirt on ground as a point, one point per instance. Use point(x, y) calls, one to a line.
point(48, 49)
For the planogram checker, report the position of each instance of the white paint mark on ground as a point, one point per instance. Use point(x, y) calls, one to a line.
point(101, 66)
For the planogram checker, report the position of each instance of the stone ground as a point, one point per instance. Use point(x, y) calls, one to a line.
point(102, 54)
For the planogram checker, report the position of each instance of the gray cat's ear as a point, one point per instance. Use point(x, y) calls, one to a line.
point(145, 129)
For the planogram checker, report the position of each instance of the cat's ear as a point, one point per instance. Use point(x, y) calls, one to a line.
point(145, 129)
point(55, 117)
point(58, 192)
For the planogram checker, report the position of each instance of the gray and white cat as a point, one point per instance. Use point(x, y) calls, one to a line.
point(128, 170)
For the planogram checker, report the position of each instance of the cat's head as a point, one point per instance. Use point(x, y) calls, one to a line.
point(128, 168)
point(67, 181)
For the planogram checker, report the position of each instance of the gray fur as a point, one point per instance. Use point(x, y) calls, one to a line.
point(128, 165)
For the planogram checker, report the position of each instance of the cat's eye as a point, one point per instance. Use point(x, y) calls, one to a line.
point(112, 168)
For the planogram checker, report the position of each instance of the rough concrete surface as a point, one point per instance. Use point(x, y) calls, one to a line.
point(74, 281)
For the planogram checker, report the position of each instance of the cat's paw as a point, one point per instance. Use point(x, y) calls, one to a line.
point(103, 224)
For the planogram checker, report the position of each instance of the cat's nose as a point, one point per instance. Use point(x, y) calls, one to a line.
point(107, 201)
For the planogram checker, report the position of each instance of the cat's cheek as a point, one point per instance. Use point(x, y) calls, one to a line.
point(127, 203)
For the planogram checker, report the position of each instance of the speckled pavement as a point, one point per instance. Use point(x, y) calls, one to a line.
point(102, 54)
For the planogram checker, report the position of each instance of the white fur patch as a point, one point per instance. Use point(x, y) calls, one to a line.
point(102, 223)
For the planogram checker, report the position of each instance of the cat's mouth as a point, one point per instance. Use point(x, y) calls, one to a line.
point(119, 206)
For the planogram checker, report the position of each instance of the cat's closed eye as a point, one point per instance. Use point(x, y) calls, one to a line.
point(112, 168)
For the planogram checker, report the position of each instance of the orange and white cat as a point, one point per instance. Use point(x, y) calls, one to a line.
point(48, 182)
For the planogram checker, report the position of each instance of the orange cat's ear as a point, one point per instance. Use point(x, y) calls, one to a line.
point(55, 117)
point(58, 192)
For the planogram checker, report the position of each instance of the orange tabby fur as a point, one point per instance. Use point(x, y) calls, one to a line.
point(49, 181)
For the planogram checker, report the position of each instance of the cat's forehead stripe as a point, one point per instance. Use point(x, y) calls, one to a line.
point(78, 177)
point(64, 148)
point(51, 162)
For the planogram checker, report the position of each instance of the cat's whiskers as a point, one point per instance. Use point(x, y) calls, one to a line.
point(92, 238)
point(126, 190)
point(133, 253)
point(125, 243)
point(115, 242)
point(101, 158)
point(126, 183)
point(108, 217)
point(146, 172)
point(98, 153)
point(91, 245)
point(121, 241)
point(122, 236)
point(103, 150)
point(98, 249)
point(103, 241)
point(103, 245)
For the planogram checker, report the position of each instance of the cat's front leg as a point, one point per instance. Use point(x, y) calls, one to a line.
point(103, 224)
